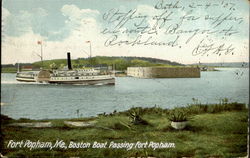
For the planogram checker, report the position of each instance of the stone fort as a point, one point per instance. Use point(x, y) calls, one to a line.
point(164, 72)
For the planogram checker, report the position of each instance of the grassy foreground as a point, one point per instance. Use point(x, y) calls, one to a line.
point(218, 130)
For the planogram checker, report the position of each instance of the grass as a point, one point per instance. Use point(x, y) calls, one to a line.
point(9, 70)
point(218, 130)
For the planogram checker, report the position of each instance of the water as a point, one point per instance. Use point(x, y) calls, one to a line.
point(44, 101)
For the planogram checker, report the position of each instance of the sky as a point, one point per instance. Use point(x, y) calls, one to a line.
point(65, 25)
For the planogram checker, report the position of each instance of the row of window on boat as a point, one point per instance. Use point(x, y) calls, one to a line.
point(73, 74)
point(59, 78)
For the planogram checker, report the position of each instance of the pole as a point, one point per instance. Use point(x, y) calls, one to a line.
point(90, 53)
point(18, 67)
point(42, 54)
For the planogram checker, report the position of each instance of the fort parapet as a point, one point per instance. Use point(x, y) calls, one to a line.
point(164, 72)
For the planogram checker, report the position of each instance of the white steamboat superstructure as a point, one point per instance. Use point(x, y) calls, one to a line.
point(84, 77)
point(29, 76)
point(87, 76)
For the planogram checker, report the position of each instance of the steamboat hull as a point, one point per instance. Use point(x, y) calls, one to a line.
point(22, 79)
point(110, 81)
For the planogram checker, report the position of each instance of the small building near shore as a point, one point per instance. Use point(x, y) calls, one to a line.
point(27, 68)
point(164, 72)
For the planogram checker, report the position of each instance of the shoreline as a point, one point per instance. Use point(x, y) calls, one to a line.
point(211, 68)
point(222, 124)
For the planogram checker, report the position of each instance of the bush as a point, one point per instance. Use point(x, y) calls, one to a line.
point(214, 108)
point(136, 118)
point(177, 115)
point(197, 109)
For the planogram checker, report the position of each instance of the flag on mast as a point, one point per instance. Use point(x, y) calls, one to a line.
point(39, 42)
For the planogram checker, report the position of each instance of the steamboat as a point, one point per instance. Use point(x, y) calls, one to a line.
point(89, 76)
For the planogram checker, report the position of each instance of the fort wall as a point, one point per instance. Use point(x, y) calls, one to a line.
point(164, 72)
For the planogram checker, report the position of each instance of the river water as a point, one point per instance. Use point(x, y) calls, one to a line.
point(45, 101)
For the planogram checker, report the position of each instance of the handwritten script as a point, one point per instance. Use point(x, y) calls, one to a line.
point(203, 25)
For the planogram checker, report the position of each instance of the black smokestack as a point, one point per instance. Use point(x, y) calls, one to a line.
point(69, 61)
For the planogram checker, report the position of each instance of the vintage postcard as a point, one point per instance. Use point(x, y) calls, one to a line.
point(124, 78)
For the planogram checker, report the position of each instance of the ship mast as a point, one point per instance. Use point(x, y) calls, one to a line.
point(90, 52)
point(41, 56)
point(42, 53)
point(18, 68)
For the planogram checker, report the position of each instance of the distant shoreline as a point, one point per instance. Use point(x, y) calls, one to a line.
point(7, 70)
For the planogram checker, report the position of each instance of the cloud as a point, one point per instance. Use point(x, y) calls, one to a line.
point(75, 19)
point(5, 13)
point(147, 9)
point(81, 25)
point(23, 22)
point(76, 16)
point(40, 12)
point(21, 49)
point(73, 12)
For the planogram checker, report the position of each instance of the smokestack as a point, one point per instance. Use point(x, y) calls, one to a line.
point(69, 61)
